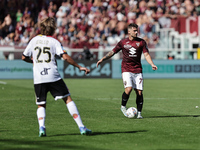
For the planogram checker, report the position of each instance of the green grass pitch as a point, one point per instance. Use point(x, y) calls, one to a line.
point(171, 119)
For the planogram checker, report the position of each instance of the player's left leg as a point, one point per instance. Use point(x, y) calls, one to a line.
point(139, 102)
point(76, 116)
point(138, 80)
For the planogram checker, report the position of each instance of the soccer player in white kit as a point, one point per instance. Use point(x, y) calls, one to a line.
point(132, 48)
point(41, 51)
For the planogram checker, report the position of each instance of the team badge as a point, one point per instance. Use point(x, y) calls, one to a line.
point(138, 44)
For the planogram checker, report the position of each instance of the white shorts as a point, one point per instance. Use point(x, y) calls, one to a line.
point(134, 80)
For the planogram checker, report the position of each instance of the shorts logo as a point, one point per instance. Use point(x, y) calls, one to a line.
point(140, 80)
point(45, 71)
point(125, 83)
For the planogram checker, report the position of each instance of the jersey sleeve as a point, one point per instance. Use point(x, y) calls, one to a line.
point(145, 48)
point(59, 49)
point(28, 50)
point(118, 47)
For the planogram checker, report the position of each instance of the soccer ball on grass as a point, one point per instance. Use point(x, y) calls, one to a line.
point(131, 112)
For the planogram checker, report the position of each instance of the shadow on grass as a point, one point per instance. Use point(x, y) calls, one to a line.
point(22, 144)
point(173, 116)
point(101, 133)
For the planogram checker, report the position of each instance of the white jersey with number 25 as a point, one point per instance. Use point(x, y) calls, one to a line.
point(43, 50)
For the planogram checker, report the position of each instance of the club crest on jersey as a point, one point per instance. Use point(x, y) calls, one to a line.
point(138, 44)
point(127, 46)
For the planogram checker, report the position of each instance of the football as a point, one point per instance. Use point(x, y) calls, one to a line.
point(131, 112)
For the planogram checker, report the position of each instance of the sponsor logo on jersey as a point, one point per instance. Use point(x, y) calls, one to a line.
point(45, 71)
point(132, 52)
point(127, 46)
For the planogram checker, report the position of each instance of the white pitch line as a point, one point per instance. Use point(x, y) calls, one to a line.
point(1, 82)
point(175, 98)
point(144, 98)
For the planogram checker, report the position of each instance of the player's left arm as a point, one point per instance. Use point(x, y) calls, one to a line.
point(68, 59)
point(150, 61)
point(27, 55)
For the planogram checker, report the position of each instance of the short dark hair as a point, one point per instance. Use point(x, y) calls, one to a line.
point(132, 25)
point(48, 26)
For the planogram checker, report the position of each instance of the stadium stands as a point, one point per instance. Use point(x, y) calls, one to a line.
point(93, 23)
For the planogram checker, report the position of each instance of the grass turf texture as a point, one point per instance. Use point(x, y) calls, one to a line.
point(171, 120)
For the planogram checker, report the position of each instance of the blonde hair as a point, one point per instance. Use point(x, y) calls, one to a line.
point(48, 26)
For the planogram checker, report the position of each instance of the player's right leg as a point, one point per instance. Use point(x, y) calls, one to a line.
point(60, 91)
point(85, 131)
point(73, 110)
point(125, 98)
point(127, 80)
point(41, 93)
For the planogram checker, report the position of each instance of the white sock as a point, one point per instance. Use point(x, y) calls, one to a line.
point(41, 114)
point(73, 110)
point(123, 106)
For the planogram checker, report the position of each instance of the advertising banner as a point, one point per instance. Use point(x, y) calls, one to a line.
point(166, 69)
point(103, 71)
point(17, 69)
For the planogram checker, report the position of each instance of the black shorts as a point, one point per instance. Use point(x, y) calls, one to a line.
point(58, 90)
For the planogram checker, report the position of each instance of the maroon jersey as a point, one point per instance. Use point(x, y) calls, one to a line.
point(132, 51)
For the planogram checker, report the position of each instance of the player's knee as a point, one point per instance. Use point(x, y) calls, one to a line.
point(138, 92)
point(67, 99)
point(43, 105)
point(128, 90)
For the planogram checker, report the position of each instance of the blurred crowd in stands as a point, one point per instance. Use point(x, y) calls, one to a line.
point(90, 23)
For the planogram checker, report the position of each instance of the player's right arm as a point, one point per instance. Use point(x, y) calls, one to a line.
point(115, 50)
point(68, 59)
point(107, 56)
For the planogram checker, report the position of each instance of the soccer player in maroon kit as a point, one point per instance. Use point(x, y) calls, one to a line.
point(132, 48)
